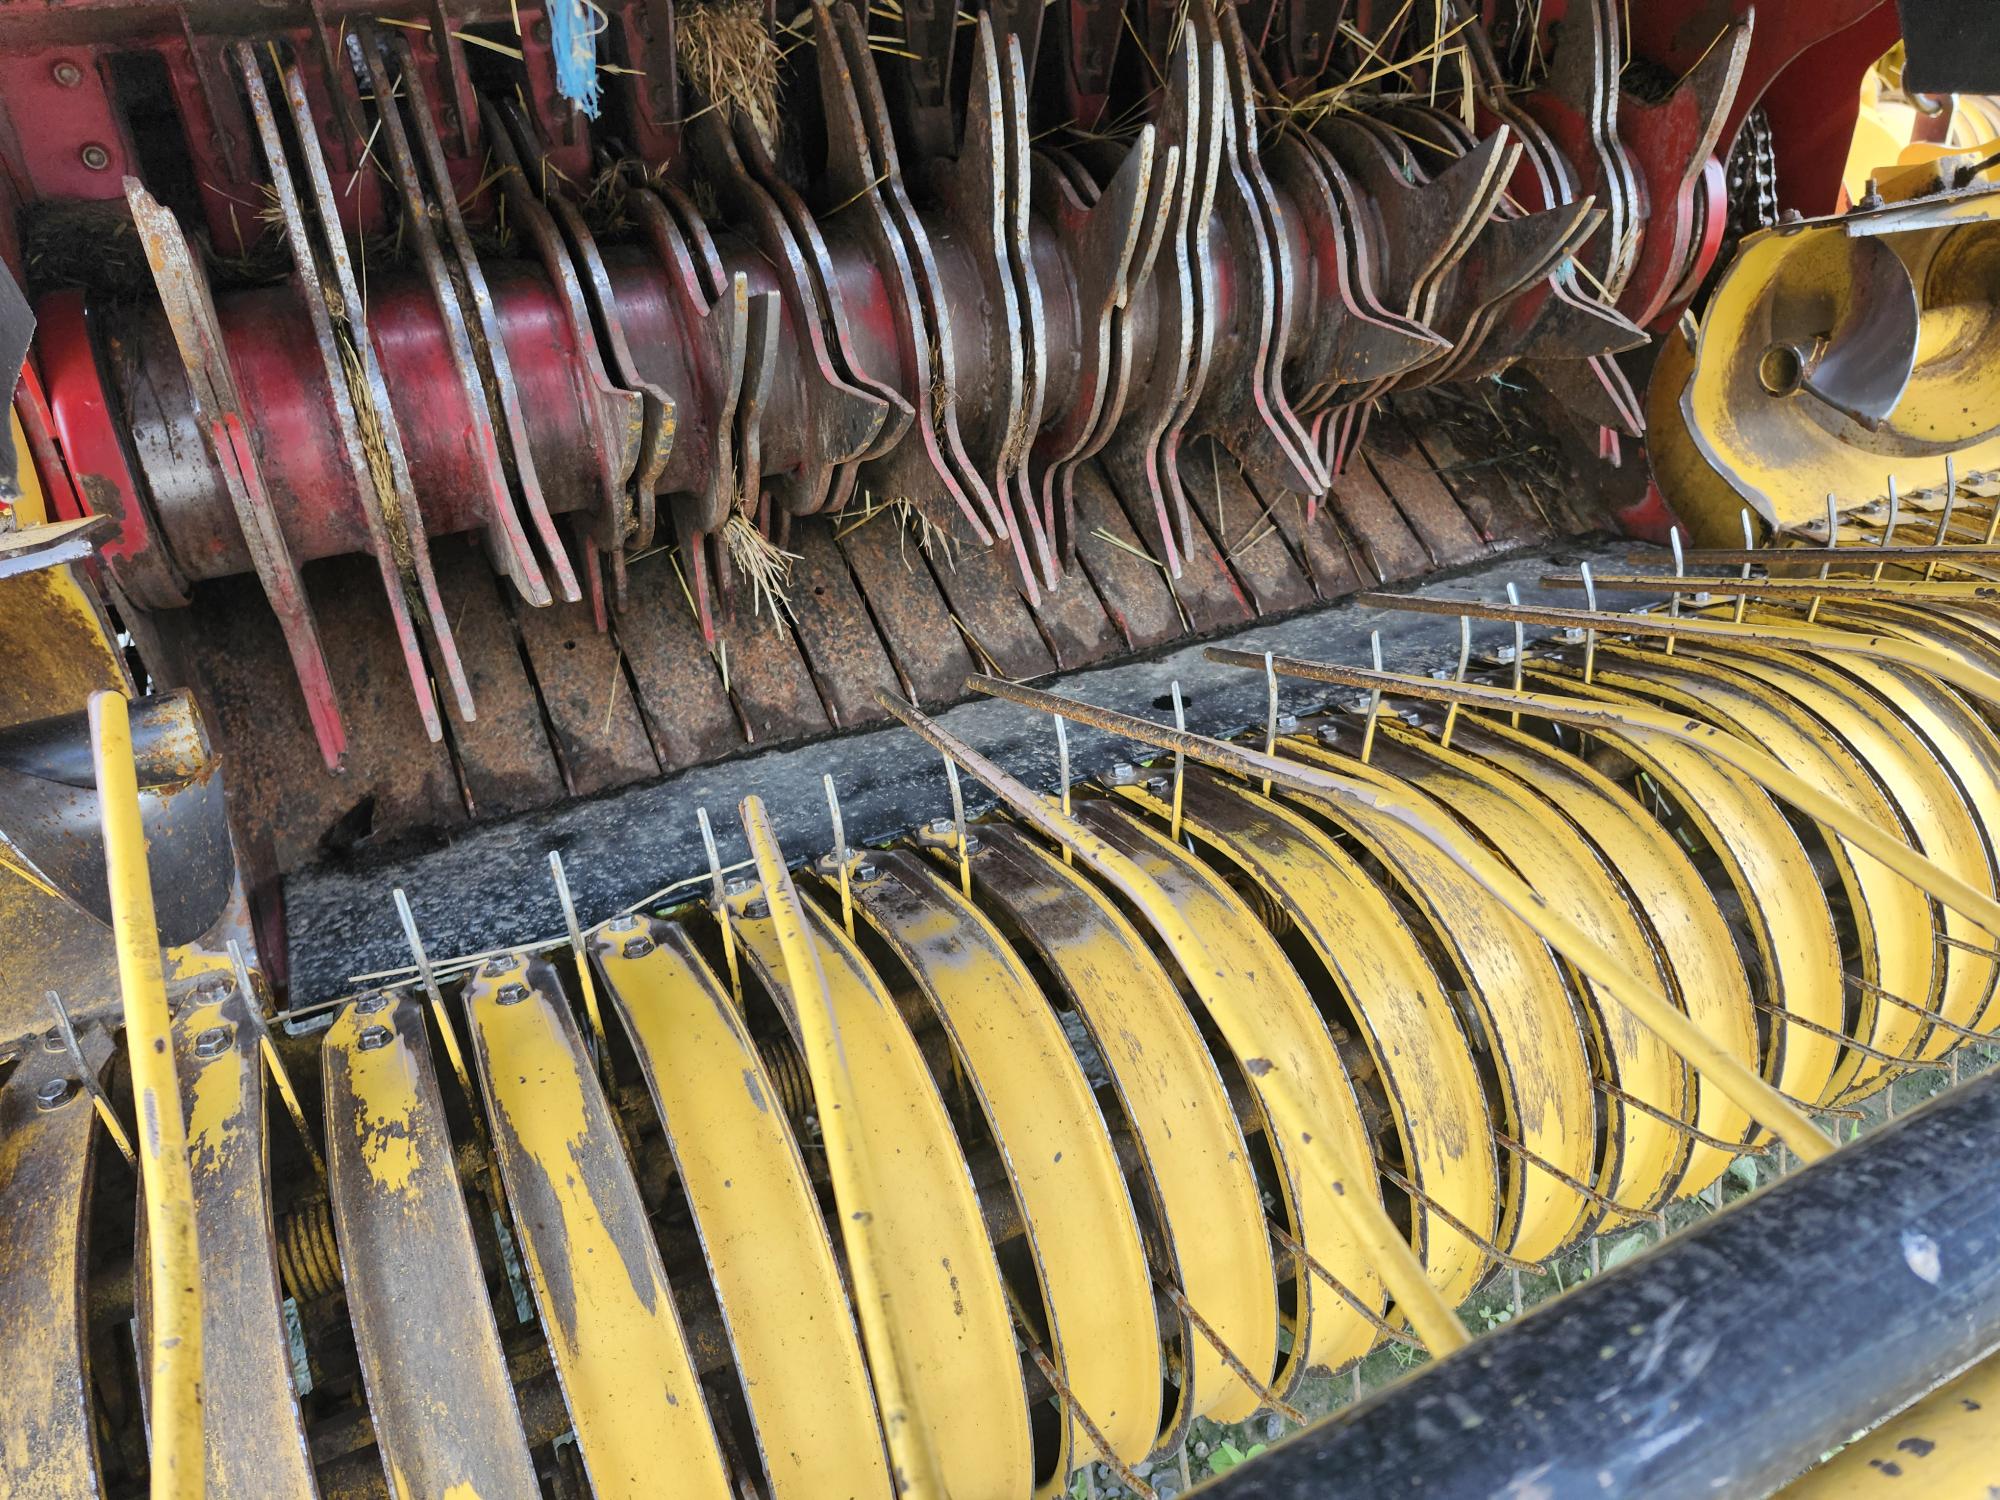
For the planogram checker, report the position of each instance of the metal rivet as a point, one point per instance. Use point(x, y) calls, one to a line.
point(55, 1092)
point(66, 73)
point(211, 1042)
point(512, 994)
point(493, 968)
point(95, 157)
point(637, 947)
point(373, 1037)
point(52, 1040)
point(371, 1002)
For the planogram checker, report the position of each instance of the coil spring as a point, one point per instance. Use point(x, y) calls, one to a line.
point(787, 1072)
point(308, 1256)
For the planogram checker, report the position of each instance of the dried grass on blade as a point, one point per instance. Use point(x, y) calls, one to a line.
point(730, 59)
point(767, 565)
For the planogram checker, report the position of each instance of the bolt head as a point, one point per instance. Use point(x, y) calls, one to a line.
point(373, 1038)
point(1288, 723)
point(370, 1003)
point(215, 986)
point(1327, 734)
point(52, 1040)
point(67, 74)
point(55, 1092)
point(738, 886)
point(1124, 774)
point(512, 994)
point(865, 871)
point(637, 947)
point(627, 923)
point(94, 156)
point(939, 828)
point(757, 909)
point(212, 1042)
point(493, 968)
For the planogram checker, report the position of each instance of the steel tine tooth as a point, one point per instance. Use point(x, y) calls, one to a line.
point(1520, 648)
point(600, 1042)
point(1464, 661)
point(718, 896)
point(1889, 531)
point(1374, 698)
point(253, 1011)
point(1750, 545)
point(94, 1085)
point(1944, 518)
point(1270, 714)
point(1589, 633)
point(1673, 605)
point(958, 828)
point(1180, 761)
point(1832, 541)
point(840, 854)
point(1062, 767)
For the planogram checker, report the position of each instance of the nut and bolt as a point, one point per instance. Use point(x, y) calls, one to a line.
point(1124, 774)
point(511, 994)
point(626, 923)
point(368, 1004)
point(1327, 734)
point(637, 947)
point(215, 986)
point(1288, 723)
point(67, 74)
point(94, 156)
point(55, 1093)
point(212, 1042)
point(940, 828)
point(1159, 786)
point(493, 968)
point(373, 1038)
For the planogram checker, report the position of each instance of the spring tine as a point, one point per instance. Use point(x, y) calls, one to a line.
point(1452, 1220)
point(1340, 1289)
point(1374, 698)
point(719, 902)
point(1062, 765)
point(1262, 1388)
point(1701, 1137)
point(1180, 764)
point(1583, 1189)
point(840, 855)
point(1673, 605)
point(1520, 647)
point(449, 1032)
point(1789, 1018)
point(1464, 661)
point(1836, 589)
point(1944, 517)
point(1889, 531)
point(88, 1075)
point(1750, 545)
point(1832, 541)
point(958, 829)
point(600, 1043)
point(1969, 1033)
point(1589, 634)
point(1064, 1394)
point(1270, 716)
point(253, 1011)
point(1948, 941)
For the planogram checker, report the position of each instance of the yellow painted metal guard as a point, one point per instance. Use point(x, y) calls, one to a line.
point(588, 1247)
point(766, 1245)
point(173, 1255)
point(933, 1315)
point(1096, 1288)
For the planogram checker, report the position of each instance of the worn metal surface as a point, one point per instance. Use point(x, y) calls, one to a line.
point(763, 1240)
point(586, 1246)
point(47, 1157)
point(438, 1391)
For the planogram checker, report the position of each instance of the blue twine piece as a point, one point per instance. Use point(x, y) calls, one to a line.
point(573, 39)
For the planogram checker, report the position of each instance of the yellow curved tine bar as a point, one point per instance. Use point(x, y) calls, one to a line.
point(1081, 1234)
point(587, 1244)
point(794, 1338)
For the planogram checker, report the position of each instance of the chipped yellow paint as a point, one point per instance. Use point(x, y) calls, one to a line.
point(588, 1246)
point(1197, 1168)
point(1395, 1001)
point(1080, 1229)
point(1532, 1029)
point(385, 1084)
point(216, 1095)
point(760, 1228)
point(942, 1289)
